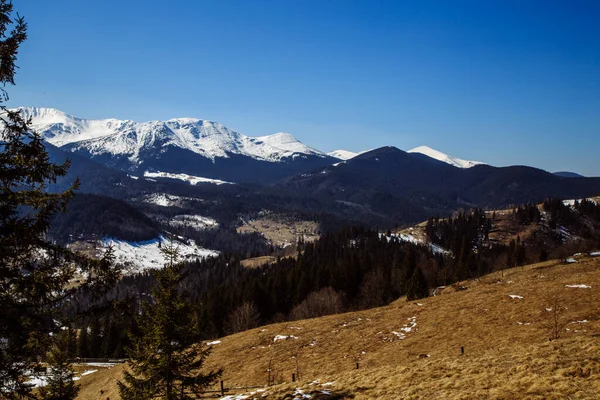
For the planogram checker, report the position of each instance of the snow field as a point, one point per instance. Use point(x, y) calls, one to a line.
point(140, 256)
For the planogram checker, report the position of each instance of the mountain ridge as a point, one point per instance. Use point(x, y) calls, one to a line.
point(438, 155)
point(192, 146)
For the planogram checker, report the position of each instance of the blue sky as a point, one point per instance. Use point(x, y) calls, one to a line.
point(505, 82)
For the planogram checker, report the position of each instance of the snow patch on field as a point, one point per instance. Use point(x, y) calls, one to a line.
point(515, 296)
point(42, 380)
point(90, 371)
point(193, 221)
point(411, 239)
point(140, 256)
point(166, 200)
point(192, 180)
point(578, 286)
point(284, 337)
point(406, 329)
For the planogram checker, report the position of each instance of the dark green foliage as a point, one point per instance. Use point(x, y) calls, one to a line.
point(166, 359)
point(93, 217)
point(417, 286)
point(34, 273)
point(83, 343)
point(60, 383)
point(526, 214)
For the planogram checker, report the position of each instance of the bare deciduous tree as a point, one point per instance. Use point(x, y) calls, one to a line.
point(243, 318)
point(554, 319)
point(324, 302)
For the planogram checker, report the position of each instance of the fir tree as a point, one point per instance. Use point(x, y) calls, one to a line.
point(60, 384)
point(83, 343)
point(166, 359)
point(34, 272)
point(417, 286)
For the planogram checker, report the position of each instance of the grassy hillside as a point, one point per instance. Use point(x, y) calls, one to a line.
point(502, 322)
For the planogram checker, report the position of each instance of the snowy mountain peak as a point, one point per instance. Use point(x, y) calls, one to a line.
point(287, 142)
point(342, 154)
point(45, 115)
point(129, 139)
point(438, 155)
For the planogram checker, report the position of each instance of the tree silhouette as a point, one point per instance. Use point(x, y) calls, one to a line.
point(34, 273)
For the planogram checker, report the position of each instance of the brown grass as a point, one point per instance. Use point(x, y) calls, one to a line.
point(280, 232)
point(507, 351)
point(256, 262)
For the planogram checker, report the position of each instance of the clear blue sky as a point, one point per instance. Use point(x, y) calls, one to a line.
point(505, 82)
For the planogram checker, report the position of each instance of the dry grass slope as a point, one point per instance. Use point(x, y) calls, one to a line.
point(412, 350)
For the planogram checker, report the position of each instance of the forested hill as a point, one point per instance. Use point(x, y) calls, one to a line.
point(357, 268)
point(89, 215)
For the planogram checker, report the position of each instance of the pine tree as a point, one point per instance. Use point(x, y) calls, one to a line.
point(34, 272)
point(60, 385)
point(417, 286)
point(166, 359)
point(83, 343)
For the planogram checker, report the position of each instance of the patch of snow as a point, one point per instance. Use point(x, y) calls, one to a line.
point(342, 154)
point(400, 335)
point(579, 286)
point(213, 342)
point(193, 221)
point(192, 180)
point(407, 328)
point(570, 260)
point(404, 237)
point(571, 202)
point(90, 371)
point(236, 397)
point(284, 337)
point(38, 381)
point(595, 254)
point(140, 256)
point(515, 296)
point(97, 364)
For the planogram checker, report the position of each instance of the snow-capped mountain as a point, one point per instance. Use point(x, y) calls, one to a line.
point(181, 145)
point(207, 138)
point(438, 155)
point(342, 154)
point(288, 143)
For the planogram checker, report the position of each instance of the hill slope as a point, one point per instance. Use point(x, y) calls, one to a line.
point(413, 350)
point(388, 183)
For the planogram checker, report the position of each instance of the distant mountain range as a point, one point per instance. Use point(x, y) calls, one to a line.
point(129, 160)
point(183, 145)
point(390, 183)
point(197, 148)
